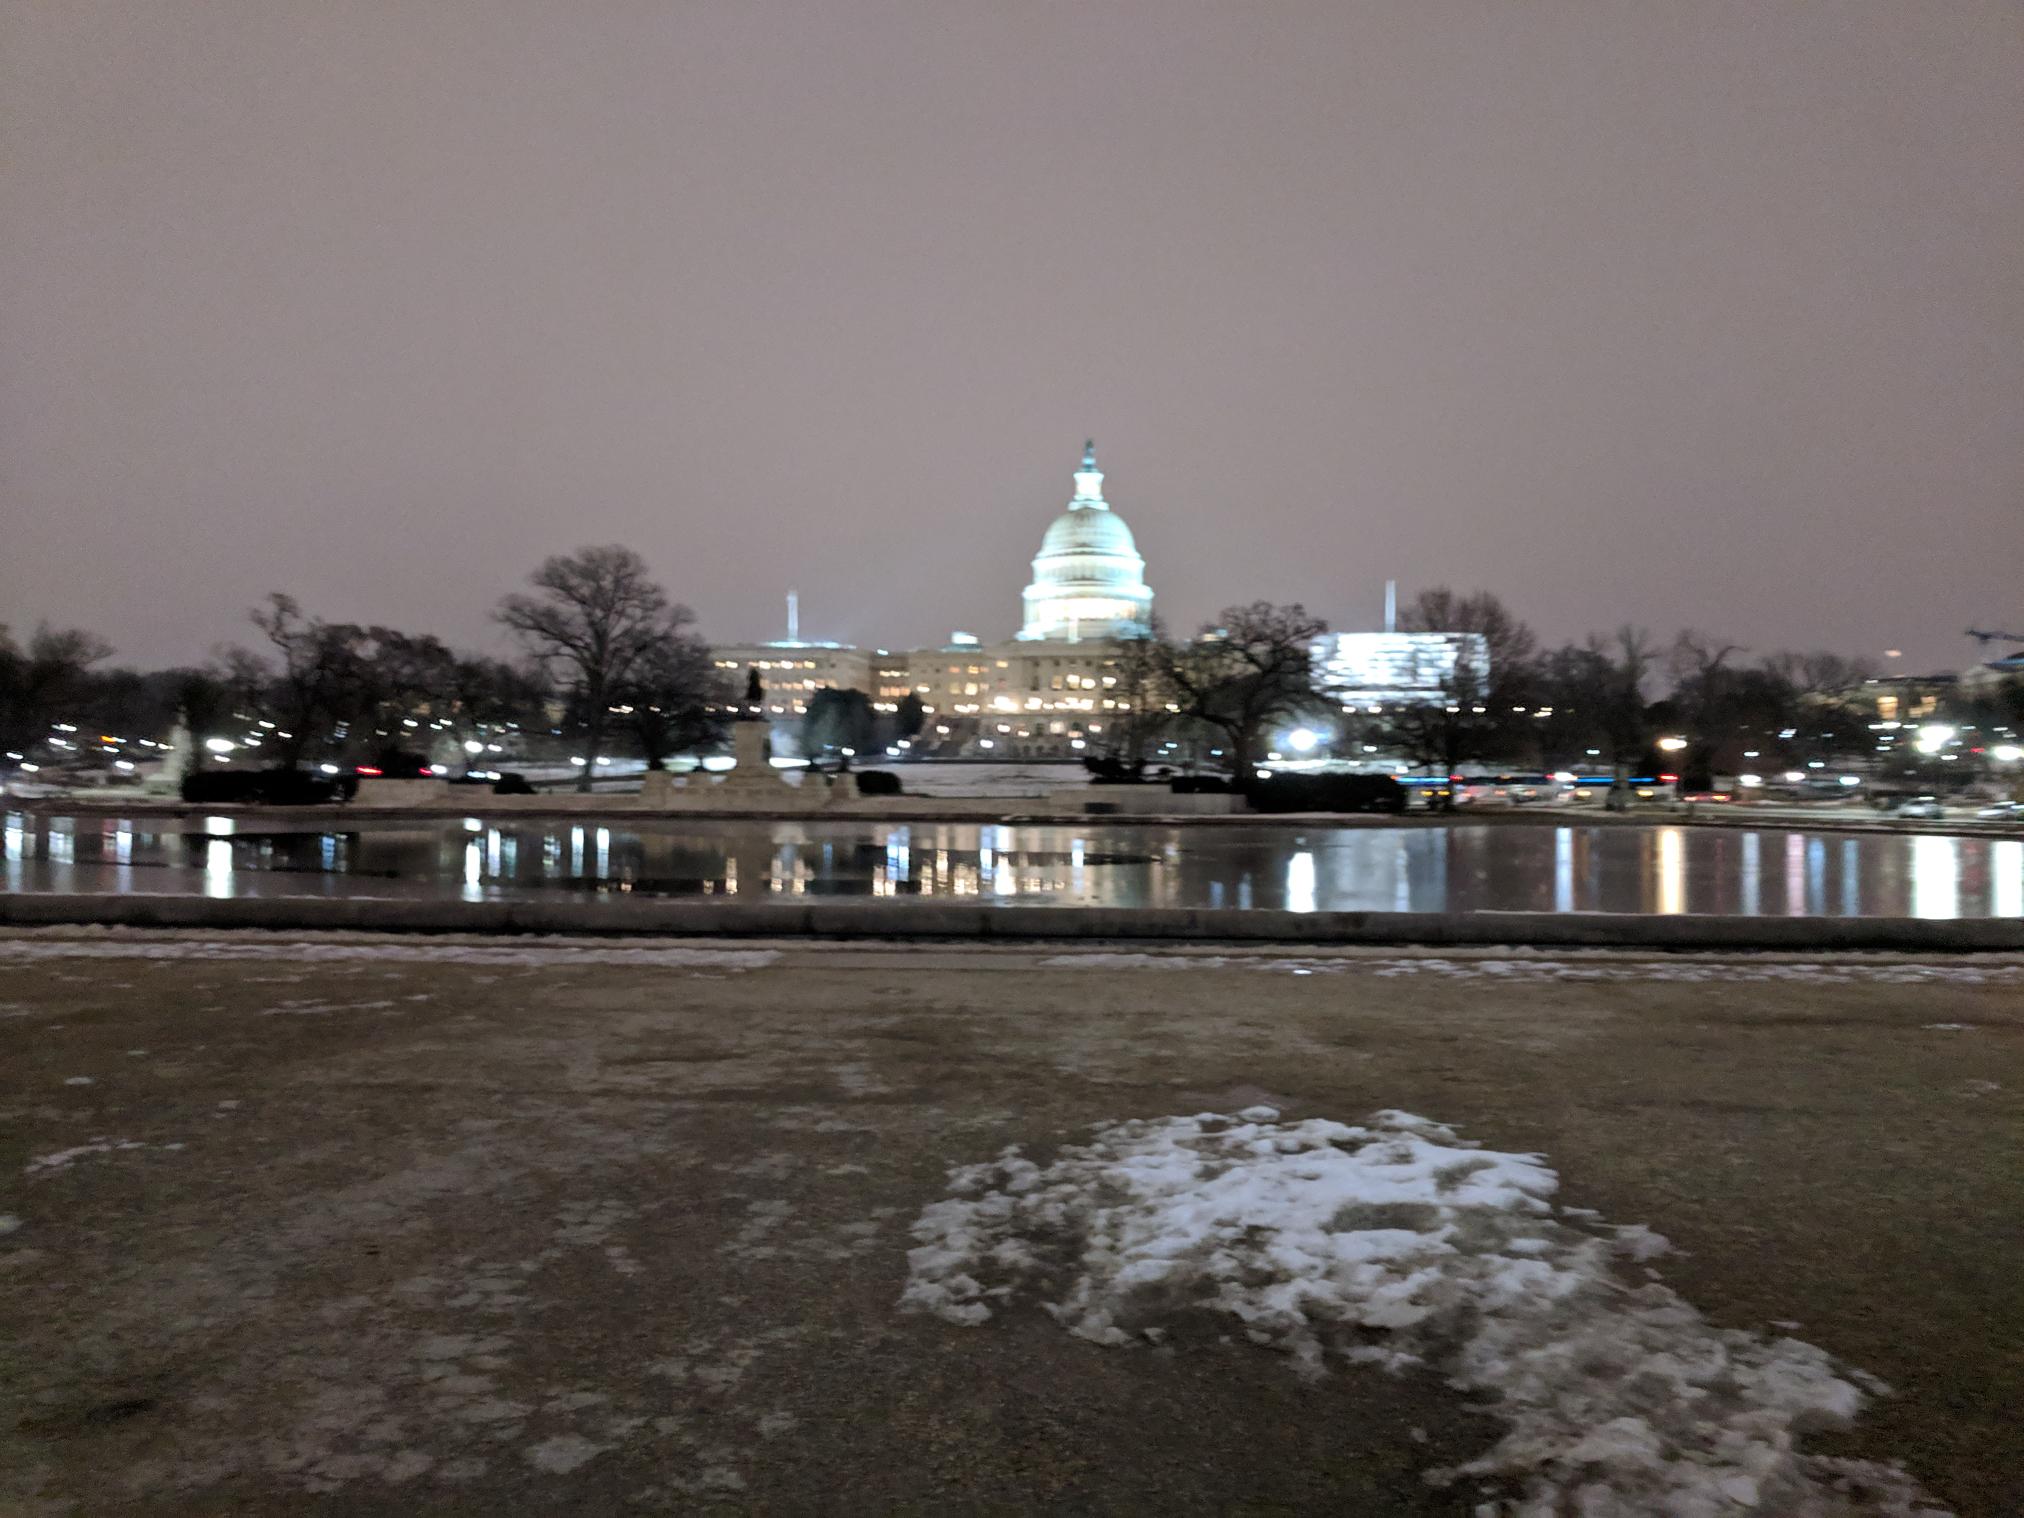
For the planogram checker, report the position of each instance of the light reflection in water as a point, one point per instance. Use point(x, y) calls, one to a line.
point(218, 867)
point(1672, 873)
point(1300, 882)
point(2006, 878)
point(1571, 867)
point(1936, 881)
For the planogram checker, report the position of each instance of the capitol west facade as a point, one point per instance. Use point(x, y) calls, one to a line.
point(1044, 691)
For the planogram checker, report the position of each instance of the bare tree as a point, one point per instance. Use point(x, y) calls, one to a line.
point(1484, 706)
point(675, 698)
point(597, 613)
point(1141, 711)
point(39, 682)
point(1248, 670)
point(323, 684)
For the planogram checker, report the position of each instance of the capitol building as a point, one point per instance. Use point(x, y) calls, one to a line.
point(1043, 691)
point(1052, 688)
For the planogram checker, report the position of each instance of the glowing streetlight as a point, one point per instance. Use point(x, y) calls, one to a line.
point(1302, 740)
point(1672, 745)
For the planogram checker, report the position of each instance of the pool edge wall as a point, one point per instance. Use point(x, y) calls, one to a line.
point(977, 920)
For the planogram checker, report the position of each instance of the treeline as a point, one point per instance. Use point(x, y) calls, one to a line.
point(604, 651)
point(1695, 705)
point(607, 657)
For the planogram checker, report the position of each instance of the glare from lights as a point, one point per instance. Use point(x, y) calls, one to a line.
point(1851, 780)
point(2008, 753)
point(1302, 740)
point(328, 769)
point(1672, 745)
point(1749, 782)
point(1933, 737)
point(473, 746)
point(220, 745)
point(126, 765)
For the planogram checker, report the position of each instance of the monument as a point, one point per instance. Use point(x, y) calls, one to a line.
point(753, 773)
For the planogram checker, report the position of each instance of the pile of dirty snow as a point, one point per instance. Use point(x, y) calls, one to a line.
point(1395, 1243)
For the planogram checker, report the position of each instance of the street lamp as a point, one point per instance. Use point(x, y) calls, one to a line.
point(1672, 745)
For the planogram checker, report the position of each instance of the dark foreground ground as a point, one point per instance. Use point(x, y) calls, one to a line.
point(488, 1228)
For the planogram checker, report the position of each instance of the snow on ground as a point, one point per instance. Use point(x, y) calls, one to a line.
point(1742, 968)
point(944, 779)
point(1397, 1243)
point(433, 953)
point(63, 1159)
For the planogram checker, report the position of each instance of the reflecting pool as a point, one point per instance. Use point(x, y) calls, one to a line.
point(1457, 868)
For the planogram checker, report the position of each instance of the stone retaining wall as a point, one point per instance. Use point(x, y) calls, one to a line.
point(939, 919)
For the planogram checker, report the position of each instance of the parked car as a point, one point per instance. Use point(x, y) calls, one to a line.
point(1919, 806)
point(2003, 811)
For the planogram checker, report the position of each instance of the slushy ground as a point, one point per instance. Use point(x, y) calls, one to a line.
point(439, 1227)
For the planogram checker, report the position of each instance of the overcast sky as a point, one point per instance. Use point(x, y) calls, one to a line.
point(1685, 314)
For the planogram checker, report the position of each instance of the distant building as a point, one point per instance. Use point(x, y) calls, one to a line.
point(1909, 698)
point(790, 672)
point(1399, 668)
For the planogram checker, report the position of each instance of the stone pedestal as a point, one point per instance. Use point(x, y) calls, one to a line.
point(754, 771)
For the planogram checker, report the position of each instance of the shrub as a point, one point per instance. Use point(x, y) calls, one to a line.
point(1326, 793)
point(265, 788)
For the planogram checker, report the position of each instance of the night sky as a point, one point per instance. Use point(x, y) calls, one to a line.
point(1689, 314)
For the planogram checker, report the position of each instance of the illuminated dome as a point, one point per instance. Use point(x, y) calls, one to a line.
point(1088, 578)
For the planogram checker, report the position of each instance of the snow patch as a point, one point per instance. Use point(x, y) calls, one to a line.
point(563, 1453)
point(1685, 971)
point(1395, 1243)
point(63, 1159)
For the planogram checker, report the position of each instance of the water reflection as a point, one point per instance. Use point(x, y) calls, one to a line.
point(1467, 867)
point(1936, 880)
point(1300, 882)
point(1672, 873)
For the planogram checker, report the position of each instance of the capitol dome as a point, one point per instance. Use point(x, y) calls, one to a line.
point(1088, 578)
